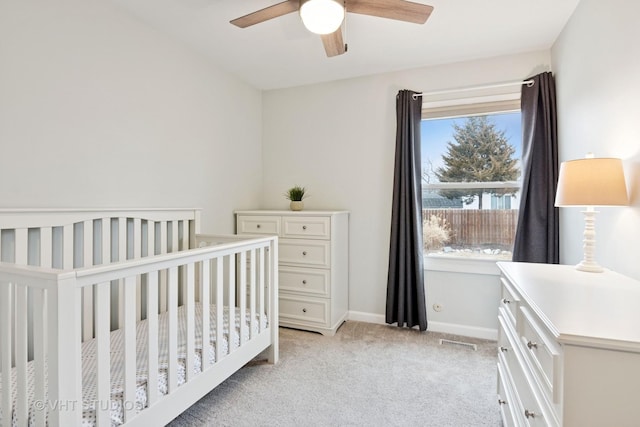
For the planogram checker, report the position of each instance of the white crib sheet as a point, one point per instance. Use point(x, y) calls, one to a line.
point(117, 363)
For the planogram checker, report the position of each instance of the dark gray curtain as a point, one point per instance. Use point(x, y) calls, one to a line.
point(537, 234)
point(405, 286)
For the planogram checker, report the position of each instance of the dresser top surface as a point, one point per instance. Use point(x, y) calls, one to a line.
point(581, 307)
point(289, 212)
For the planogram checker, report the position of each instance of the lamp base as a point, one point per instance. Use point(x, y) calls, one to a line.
point(588, 263)
point(592, 267)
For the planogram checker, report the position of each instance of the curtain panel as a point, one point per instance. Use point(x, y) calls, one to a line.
point(537, 232)
point(405, 283)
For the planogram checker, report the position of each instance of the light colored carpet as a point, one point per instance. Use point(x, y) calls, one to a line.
point(366, 375)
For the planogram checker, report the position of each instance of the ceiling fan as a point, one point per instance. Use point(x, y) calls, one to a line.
point(326, 17)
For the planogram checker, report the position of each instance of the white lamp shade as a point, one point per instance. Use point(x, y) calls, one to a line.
point(322, 16)
point(591, 182)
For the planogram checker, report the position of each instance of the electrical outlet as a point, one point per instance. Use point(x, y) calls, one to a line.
point(437, 307)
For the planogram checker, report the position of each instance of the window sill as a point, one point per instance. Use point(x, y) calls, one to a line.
point(453, 264)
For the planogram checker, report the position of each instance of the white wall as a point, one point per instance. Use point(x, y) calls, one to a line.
point(597, 65)
point(98, 110)
point(338, 140)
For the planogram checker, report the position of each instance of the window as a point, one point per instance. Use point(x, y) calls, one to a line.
point(471, 179)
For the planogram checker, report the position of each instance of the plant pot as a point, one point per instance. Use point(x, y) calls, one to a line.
point(296, 205)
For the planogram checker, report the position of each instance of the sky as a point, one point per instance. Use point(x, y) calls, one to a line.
point(436, 133)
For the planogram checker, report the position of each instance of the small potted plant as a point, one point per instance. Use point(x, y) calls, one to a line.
point(296, 195)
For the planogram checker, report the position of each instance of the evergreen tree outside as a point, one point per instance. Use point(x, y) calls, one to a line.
point(480, 153)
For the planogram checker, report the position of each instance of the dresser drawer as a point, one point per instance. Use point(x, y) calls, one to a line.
point(531, 406)
point(312, 253)
point(542, 353)
point(508, 405)
point(250, 224)
point(509, 299)
point(301, 309)
point(507, 342)
point(307, 227)
point(305, 280)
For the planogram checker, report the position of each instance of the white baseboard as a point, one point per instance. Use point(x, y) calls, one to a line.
point(464, 330)
point(446, 328)
point(361, 316)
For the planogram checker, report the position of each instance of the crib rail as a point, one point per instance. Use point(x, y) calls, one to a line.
point(74, 238)
point(240, 275)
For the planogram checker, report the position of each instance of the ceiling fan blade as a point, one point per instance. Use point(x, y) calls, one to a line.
point(333, 43)
point(400, 10)
point(267, 13)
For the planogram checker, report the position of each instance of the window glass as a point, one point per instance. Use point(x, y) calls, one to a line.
point(471, 184)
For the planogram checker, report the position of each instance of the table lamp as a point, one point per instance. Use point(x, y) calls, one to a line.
point(591, 182)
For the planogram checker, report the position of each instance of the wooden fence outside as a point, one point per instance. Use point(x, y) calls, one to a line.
point(473, 227)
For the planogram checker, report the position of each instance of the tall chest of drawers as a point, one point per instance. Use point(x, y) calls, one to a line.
point(313, 270)
point(568, 347)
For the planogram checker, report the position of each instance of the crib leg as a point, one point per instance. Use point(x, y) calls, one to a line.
point(272, 354)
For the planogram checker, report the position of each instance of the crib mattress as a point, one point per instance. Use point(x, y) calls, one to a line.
point(116, 403)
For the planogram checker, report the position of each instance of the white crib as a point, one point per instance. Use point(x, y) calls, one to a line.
point(112, 317)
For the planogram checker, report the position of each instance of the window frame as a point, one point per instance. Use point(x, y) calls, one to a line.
point(459, 107)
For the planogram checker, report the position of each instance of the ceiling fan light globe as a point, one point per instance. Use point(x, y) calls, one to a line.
point(322, 16)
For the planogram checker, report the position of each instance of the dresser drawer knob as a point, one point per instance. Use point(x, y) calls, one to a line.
point(304, 310)
point(304, 227)
point(529, 414)
point(532, 345)
point(304, 253)
point(505, 301)
point(304, 282)
point(502, 402)
point(503, 348)
point(258, 226)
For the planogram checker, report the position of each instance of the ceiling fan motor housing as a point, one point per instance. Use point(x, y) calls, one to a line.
point(322, 16)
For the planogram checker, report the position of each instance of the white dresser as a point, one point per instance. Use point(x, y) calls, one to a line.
point(313, 251)
point(568, 347)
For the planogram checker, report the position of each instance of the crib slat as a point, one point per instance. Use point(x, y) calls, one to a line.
point(107, 244)
point(22, 407)
point(21, 258)
point(205, 278)
point(87, 292)
point(252, 292)
point(272, 311)
point(129, 302)
point(163, 274)
point(122, 256)
point(151, 238)
point(137, 254)
point(172, 300)
point(261, 274)
point(39, 349)
point(219, 308)
point(152, 323)
point(242, 305)
point(189, 306)
point(151, 250)
point(231, 304)
point(103, 350)
point(174, 236)
point(46, 245)
point(6, 312)
point(184, 236)
point(106, 240)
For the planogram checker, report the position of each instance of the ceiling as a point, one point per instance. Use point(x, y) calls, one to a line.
point(282, 53)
